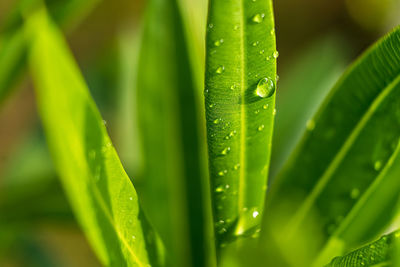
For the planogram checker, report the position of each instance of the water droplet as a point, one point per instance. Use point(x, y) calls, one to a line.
point(274, 112)
point(258, 18)
point(219, 42)
point(255, 214)
point(261, 127)
point(222, 173)
point(216, 121)
point(220, 70)
point(256, 112)
point(219, 189)
point(272, 32)
point(275, 54)
point(265, 106)
point(130, 198)
point(233, 87)
point(210, 26)
point(262, 52)
point(226, 151)
point(372, 246)
point(355, 193)
point(310, 125)
point(377, 165)
point(277, 78)
point(268, 58)
point(236, 27)
point(104, 122)
point(211, 105)
point(265, 87)
point(133, 237)
point(255, 43)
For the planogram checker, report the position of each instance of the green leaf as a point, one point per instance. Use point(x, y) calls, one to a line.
point(13, 45)
point(341, 177)
point(101, 194)
point(174, 187)
point(322, 63)
point(240, 100)
point(378, 253)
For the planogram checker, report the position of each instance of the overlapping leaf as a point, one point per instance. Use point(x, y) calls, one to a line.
point(339, 185)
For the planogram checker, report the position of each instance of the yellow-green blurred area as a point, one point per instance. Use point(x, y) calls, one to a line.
point(316, 41)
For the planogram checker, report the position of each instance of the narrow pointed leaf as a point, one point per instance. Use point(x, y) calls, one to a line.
point(173, 180)
point(335, 178)
point(240, 99)
point(100, 192)
point(378, 253)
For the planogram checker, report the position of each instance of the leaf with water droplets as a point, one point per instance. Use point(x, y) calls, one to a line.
point(378, 253)
point(243, 92)
point(100, 192)
point(346, 165)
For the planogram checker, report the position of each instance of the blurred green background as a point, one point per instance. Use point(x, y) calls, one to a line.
point(316, 41)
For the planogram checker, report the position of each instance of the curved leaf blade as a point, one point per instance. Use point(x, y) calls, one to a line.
point(378, 253)
point(344, 159)
point(101, 194)
point(240, 59)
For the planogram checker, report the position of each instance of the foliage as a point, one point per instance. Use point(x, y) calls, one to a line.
point(338, 191)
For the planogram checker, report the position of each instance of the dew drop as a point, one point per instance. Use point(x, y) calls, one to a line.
point(211, 105)
point(226, 151)
point(258, 18)
point(219, 189)
point(265, 87)
point(274, 112)
point(216, 121)
point(236, 27)
point(236, 167)
point(255, 43)
point(255, 214)
point(310, 125)
point(233, 87)
point(130, 198)
point(377, 165)
point(133, 237)
point(275, 54)
point(210, 26)
point(104, 122)
point(272, 32)
point(256, 112)
point(261, 127)
point(220, 70)
point(265, 106)
point(219, 42)
point(262, 52)
point(222, 173)
point(268, 58)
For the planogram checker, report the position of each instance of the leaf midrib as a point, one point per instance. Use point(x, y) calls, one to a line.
point(326, 176)
point(242, 111)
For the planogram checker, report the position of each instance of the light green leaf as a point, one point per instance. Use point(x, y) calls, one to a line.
point(101, 194)
point(378, 253)
point(341, 177)
point(240, 100)
point(173, 178)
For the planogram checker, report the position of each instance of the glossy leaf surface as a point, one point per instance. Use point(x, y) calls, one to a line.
point(335, 178)
point(378, 253)
point(101, 194)
point(239, 93)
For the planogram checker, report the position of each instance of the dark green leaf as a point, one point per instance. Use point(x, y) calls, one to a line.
point(173, 178)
